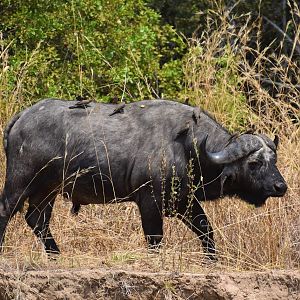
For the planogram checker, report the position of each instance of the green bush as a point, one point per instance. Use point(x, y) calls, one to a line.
point(104, 49)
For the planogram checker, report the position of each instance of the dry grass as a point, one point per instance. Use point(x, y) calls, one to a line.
point(217, 73)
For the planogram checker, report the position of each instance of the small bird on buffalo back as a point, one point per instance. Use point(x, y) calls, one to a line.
point(118, 109)
point(81, 104)
point(251, 130)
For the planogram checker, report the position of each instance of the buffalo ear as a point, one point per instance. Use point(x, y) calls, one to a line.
point(276, 141)
point(182, 132)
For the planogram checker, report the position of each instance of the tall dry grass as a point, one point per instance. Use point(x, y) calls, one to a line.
point(219, 78)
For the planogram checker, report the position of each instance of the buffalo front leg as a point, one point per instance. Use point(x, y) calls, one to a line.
point(152, 222)
point(195, 218)
point(38, 218)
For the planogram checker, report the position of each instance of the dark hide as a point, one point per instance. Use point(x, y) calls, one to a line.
point(95, 155)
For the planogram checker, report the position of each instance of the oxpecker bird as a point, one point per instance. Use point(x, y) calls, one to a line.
point(118, 109)
point(82, 104)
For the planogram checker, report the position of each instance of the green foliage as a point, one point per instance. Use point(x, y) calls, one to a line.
point(95, 47)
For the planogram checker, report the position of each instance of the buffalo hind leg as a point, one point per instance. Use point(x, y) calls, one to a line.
point(197, 221)
point(152, 222)
point(38, 218)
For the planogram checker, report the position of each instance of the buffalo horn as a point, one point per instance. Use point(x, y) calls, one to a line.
point(238, 148)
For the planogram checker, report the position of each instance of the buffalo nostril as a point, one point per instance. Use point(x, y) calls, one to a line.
point(280, 187)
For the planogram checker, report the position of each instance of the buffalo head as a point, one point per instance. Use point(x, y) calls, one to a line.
point(249, 168)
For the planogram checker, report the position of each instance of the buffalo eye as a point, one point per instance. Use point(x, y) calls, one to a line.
point(255, 165)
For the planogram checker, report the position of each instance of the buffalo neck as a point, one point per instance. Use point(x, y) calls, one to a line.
point(211, 174)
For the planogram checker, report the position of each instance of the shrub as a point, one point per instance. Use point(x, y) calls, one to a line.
point(99, 48)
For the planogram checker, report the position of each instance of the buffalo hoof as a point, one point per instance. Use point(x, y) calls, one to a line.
point(75, 209)
point(53, 255)
point(209, 260)
point(154, 241)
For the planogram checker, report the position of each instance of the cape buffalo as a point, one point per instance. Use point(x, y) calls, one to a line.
point(165, 156)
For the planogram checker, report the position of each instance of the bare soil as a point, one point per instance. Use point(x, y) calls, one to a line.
point(119, 284)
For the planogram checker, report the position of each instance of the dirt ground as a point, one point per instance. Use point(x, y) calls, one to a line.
point(118, 284)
